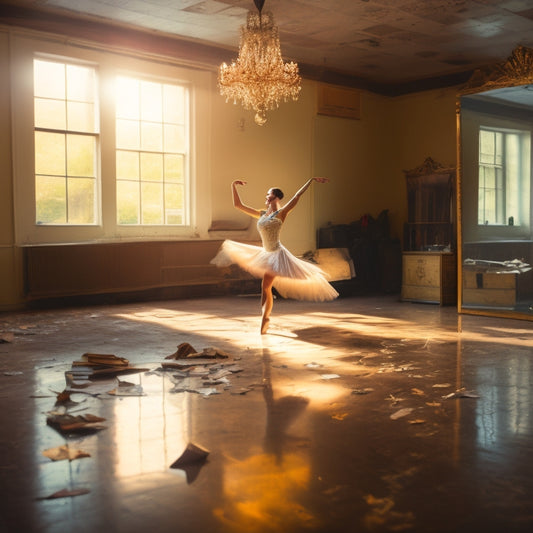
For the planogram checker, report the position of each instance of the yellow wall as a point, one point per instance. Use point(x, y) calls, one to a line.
point(277, 154)
point(363, 158)
point(367, 157)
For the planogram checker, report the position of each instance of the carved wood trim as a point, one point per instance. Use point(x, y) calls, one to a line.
point(429, 166)
point(516, 70)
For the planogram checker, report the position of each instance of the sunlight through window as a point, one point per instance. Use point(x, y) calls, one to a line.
point(152, 152)
point(66, 143)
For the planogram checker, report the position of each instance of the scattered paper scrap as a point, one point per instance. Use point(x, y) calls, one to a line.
point(433, 404)
point(184, 363)
point(313, 365)
point(211, 351)
point(205, 391)
point(417, 421)
point(61, 453)
point(329, 376)
point(394, 400)
point(65, 423)
point(234, 369)
point(193, 386)
point(219, 374)
point(339, 416)
point(125, 388)
point(99, 359)
point(401, 413)
point(461, 394)
point(66, 493)
point(13, 373)
point(63, 398)
point(94, 365)
point(186, 351)
point(210, 381)
point(191, 461)
point(241, 391)
point(193, 453)
point(366, 390)
point(441, 385)
point(418, 392)
point(198, 371)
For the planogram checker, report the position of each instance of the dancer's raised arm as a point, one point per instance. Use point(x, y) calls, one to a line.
point(237, 202)
point(291, 204)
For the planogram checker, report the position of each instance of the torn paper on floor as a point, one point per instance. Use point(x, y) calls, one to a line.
point(461, 394)
point(64, 452)
point(401, 413)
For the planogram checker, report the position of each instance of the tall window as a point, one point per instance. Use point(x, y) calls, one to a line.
point(66, 143)
point(503, 174)
point(151, 152)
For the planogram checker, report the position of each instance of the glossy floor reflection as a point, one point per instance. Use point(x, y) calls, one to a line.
point(340, 420)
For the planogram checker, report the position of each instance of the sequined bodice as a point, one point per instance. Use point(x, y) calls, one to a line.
point(269, 228)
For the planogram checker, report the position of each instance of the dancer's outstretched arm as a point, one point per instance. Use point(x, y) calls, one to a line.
point(291, 204)
point(237, 202)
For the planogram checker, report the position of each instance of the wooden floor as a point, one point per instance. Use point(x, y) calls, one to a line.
point(363, 414)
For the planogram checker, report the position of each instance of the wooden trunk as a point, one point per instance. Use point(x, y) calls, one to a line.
point(429, 277)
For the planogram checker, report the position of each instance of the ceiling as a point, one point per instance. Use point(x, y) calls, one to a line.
point(380, 42)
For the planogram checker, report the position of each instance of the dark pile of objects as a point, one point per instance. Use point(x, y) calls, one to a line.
point(376, 256)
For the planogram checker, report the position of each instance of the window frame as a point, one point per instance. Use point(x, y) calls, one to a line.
point(108, 64)
point(524, 136)
point(471, 121)
point(93, 134)
point(187, 154)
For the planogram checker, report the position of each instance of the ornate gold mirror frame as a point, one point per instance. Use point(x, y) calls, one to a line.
point(516, 71)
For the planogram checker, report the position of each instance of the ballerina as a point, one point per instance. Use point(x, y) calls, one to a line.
point(290, 276)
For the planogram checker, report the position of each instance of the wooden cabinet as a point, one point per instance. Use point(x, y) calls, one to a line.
point(429, 277)
point(429, 265)
point(430, 208)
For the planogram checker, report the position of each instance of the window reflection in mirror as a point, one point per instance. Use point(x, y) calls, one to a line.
point(496, 188)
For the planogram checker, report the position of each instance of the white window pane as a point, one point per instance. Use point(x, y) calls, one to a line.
point(173, 168)
point(151, 136)
point(151, 167)
point(81, 152)
point(50, 153)
point(127, 165)
point(81, 200)
point(151, 102)
point(128, 134)
point(173, 196)
point(174, 104)
point(128, 202)
point(49, 79)
point(81, 117)
point(127, 98)
point(50, 200)
point(174, 138)
point(80, 83)
point(50, 114)
point(152, 203)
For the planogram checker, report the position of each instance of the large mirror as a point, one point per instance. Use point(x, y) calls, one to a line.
point(495, 188)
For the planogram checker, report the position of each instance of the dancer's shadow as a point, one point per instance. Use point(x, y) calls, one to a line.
point(281, 413)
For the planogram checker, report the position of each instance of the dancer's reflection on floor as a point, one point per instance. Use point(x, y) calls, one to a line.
point(280, 413)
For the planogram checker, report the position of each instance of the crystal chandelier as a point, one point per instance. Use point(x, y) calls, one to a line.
point(259, 78)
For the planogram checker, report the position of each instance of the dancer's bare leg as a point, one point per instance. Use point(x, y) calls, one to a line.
point(267, 301)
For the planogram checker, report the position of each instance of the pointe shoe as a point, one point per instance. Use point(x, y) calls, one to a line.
point(264, 326)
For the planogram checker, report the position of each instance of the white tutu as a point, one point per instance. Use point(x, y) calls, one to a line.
point(295, 278)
